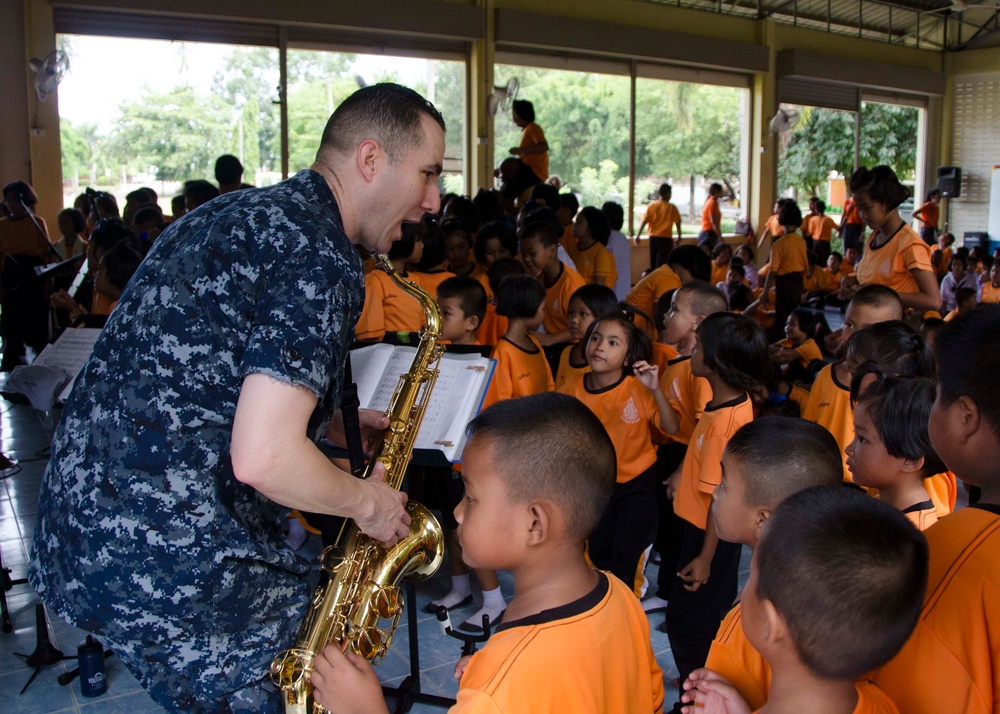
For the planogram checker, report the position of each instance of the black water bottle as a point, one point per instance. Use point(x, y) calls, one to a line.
point(90, 656)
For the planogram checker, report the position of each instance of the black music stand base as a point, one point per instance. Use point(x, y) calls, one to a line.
point(408, 692)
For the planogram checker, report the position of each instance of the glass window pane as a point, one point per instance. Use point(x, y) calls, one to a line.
point(172, 109)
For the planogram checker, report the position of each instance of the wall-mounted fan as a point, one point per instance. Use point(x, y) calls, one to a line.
point(784, 120)
point(503, 97)
point(49, 72)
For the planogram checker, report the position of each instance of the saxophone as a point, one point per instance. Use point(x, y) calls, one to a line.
point(358, 587)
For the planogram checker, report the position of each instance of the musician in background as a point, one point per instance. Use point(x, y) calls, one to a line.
point(192, 429)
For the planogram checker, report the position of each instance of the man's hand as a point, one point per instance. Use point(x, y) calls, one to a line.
point(372, 422)
point(345, 683)
point(695, 574)
point(384, 518)
point(709, 693)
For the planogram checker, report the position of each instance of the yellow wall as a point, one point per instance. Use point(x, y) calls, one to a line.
point(44, 150)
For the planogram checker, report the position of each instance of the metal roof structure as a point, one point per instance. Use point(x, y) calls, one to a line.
point(925, 24)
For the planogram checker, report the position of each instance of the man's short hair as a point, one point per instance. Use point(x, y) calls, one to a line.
point(847, 573)
point(388, 113)
point(469, 291)
point(540, 230)
point(550, 446)
point(666, 190)
point(810, 456)
point(968, 352)
point(228, 169)
point(706, 299)
point(879, 296)
point(200, 191)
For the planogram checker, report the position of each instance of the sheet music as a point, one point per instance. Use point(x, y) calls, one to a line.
point(69, 353)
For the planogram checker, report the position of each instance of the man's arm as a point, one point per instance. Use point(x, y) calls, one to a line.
point(271, 453)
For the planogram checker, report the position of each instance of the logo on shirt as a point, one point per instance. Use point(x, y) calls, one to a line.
point(824, 404)
point(630, 415)
point(701, 439)
point(675, 390)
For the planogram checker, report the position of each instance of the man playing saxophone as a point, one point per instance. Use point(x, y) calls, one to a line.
point(193, 427)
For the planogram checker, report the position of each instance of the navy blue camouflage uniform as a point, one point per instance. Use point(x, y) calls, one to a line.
point(144, 535)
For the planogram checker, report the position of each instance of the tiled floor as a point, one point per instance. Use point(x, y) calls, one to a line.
point(25, 435)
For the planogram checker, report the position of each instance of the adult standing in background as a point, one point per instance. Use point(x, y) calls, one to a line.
point(192, 429)
point(533, 149)
point(661, 216)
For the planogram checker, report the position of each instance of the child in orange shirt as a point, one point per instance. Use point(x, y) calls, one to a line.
point(521, 365)
point(587, 304)
point(891, 450)
point(991, 288)
point(539, 248)
point(753, 484)
point(824, 606)
point(731, 353)
point(799, 349)
point(458, 248)
point(952, 661)
point(928, 214)
point(589, 251)
point(538, 474)
point(623, 390)
point(462, 302)
point(494, 326)
point(721, 255)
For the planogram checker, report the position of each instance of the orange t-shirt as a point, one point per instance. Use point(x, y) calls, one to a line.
point(922, 515)
point(388, 308)
point(789, 255)
point(851, 211)
point(629, 413)
point(591, 655)
point(702, 469)
point(709, 212)
point(662, 355)
point(733, 657)
point(660, 218)
point(557, 298)
point(951, 663)
point(929, 213)
point(821, 228)
point(719, 273)
point(774, 228)
point(829, 406)
point(890, 264)
point(688, 396)
point(431, 281)
point(647, 292)
point(942, 489)
point(595, 264)
point(531, 135)
point(807, 351)
point(818, 279)
point(989, 293)
point(945, 265)
point(567, 369)
point(518, 373)
point(493, 326)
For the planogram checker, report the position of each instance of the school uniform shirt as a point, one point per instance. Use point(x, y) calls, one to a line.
point(702, 469)
point(789, 255)
point(688, 395)
point(821, 228)
point(568, 369)
point(890, 264)
point(660, 218)
point(431, 281)
point(872, 700)
point(942, 489)
point(629, 413)
point(388, 308)
point(709, 212)
point(493, 327)
point(989, 294)
point(557, 298)
point(592, 655)
point(733, 657)
point(774, 228)
point(595, 262)
point(719, 273)
point(816, 279)
point(928, 214)
point(650, 289)
point(519, 373)
point(951, 663)
point(923, 515)
point(662, 355)
point(807, 352)
point(531, 135)
point(829, 406)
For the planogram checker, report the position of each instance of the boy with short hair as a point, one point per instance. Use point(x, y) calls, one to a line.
point(462, 302)
point(753, 484)
point(661, 216)
point(952, 661)
point(829, 403)
point(538, 472)
point(824, 606)
point(539, 248)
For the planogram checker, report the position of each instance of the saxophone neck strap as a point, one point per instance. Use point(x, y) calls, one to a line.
point(349, 405)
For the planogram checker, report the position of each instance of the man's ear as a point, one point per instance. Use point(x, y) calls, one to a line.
point(367, 157)
point(968, 418)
